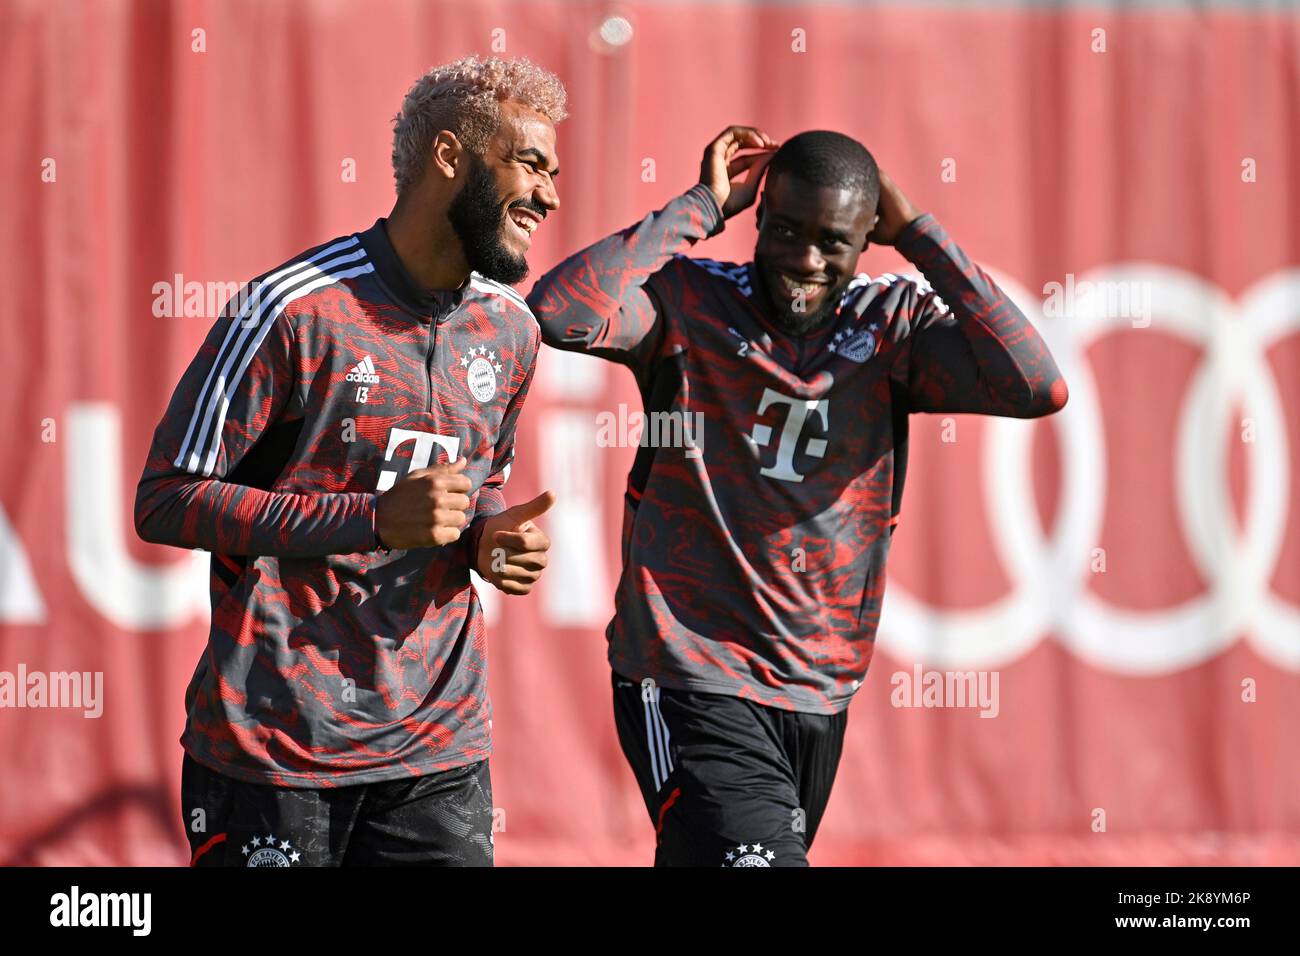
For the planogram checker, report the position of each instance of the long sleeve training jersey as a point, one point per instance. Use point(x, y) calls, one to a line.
point(326, 381)
point(762, 501)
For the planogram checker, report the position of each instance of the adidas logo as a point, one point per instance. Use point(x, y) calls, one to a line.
point(363, 373)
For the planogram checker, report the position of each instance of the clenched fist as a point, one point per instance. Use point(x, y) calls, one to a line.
point(426, 509)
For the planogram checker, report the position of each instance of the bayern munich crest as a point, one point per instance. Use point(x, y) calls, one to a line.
point(746, 855)
point(856, 346)
point(481, 371)
point(267, 851)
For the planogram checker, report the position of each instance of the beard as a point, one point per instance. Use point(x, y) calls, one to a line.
point(798, 323)
point(475, 215)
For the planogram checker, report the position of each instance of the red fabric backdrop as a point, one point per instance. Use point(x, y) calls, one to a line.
point(1161, 691)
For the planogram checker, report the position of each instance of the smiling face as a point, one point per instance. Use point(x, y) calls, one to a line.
point(510, 190)
point(809, 241)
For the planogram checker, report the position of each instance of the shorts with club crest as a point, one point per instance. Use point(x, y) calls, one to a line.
point(726, 781)
point(441, 819)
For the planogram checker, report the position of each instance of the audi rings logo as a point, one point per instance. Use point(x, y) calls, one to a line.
point(1049, 576)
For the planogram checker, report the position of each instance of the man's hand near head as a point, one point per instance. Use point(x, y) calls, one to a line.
point(894, 213)
point(722, 163)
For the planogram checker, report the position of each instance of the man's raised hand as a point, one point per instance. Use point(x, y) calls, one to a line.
point(721, 165)
point(893, 213)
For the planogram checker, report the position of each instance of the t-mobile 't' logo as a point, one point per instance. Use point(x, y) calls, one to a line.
point(800, 409)
point(424, 442)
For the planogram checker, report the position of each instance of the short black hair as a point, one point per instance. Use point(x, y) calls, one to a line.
point(824, 158)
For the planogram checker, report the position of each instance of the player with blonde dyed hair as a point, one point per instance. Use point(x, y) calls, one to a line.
point(465, 97)
point(340, 444)
point(473, 139)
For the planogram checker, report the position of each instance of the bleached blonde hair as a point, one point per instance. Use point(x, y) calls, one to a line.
point(464, 97)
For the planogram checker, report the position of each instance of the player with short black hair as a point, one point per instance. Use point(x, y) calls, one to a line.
point(823, 157)
point(754, 549)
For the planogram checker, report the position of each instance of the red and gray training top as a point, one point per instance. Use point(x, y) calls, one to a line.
point(328, 379)
point(754, 561)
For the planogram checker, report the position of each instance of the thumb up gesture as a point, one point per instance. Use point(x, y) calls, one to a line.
point(512, 550)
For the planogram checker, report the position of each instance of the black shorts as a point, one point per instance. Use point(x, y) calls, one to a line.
point(727, 782)
point(443, 819)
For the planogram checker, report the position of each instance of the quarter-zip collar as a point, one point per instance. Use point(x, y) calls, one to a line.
point(404, 289)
